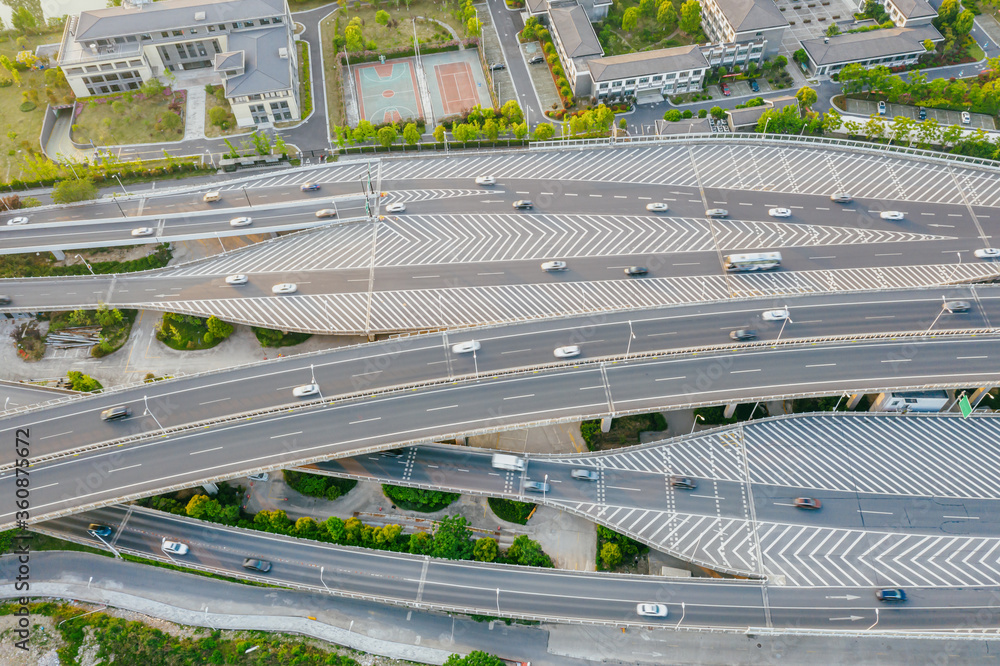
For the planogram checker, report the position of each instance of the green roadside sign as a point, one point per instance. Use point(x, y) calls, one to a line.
point(963, 404)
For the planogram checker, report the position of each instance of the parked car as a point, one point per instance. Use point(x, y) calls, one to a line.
point(536, 60)
point(716, 212)
point(779, 212)
point(537, 487)
point(173, 547)
point(753, 85)
point(309, 187)
point(881, 108)
point(98, 530)
point(466, 347)
point(4, 299)
point(841, 197)
point(262, 566)
point(142, 231)
point(725, 89)
point(657, 207)
point(685, 482)
point(237, 279)
point(922, 113)
point(305, 390)
point(742, 334)
point(17, 221)
point(523, 204)
point(486, 180)
point(326, 212)
point(262, 476)
point(116, 413)
point(987, 253)
point(807, 503)
point(892, 594)
point(955, 306)
point(966, 118)
point(891, 215)
point(774, 315)
point(585, 474)
point(567, 352)
point(285, 288)
point(554, 266)
point(395, 208)
point(497, 65)
point(636, 270)
point(651, 610)
point(241, 222)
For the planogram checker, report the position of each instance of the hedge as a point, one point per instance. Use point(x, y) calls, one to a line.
point(318, 485)
point(307, 102)
point(406, 51)
point(511, 511)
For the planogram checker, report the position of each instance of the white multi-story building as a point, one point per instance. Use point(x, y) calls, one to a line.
point(892, 47)
point(739, 21)
point(665, 71)
point(248, 45)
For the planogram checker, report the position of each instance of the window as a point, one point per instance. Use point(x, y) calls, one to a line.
point(201, 50)
point(265, 22)
point(644, 79)
point(180, 50)
point(192, 53)
point(121, 65)
point(131, 39)
point(215, 46)
point(133, 85)
point(135, 63)
point(604, 85)
point(111, 77)
point(193, 31)
point(232, 72)
point(276, 19)
point(235, 26)
point(177, 33)
point(658, 77)
point(107, 67)
point(222, 27)
point(74, 71)
point(616, 84)
point(92, 68)
point(145, 35)
point(96, 79)
point(166, 56)
point(211, 28)
point(164, 34)
point(105, 90)
point(247, 24)
point(121, 40)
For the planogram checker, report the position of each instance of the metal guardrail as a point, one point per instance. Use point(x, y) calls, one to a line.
point(523, 370)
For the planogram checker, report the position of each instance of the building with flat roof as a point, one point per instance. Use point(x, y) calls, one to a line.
point(738, 21)
point(892, 47)
point(740, 120)
point(248, 45)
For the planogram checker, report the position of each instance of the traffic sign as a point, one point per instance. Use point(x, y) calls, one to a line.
point(963, 404)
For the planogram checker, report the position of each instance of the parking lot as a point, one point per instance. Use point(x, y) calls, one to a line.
point(944, 117)
point(738, 89)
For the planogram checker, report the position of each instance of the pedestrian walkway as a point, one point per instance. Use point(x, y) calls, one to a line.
point(194, 117)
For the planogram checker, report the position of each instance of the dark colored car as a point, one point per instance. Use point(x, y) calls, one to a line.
point(743, 334)
point(309, 187)
point(894, 594)
point(725, 89)
point(753, 85)
point(498, 65)
point(4, 299)
point(685, 482)
point(636, 270)
point(393, 453)
point(922, 113)
point(807, 503)
point(536, 60)
point(99, 530)
point(523, 204)
point(956, 306)
point(262, 566)
point(116, 413)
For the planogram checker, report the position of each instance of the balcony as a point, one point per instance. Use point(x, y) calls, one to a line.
point(72, 52)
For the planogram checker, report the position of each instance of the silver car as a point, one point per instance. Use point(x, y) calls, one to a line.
point(537, 487)
point(716, 212)
point(585, 474)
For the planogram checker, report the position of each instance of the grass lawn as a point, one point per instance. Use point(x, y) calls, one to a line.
point(385, 37)
point(649, 34)
point(26, 126)
point(101, 124)
point(975, 51)
point(624, 430)
point(218, 98)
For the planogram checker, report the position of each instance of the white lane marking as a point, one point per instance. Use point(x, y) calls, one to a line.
point(881, 513)
point(198, 453)
point(424, 277)
point(897, 360)
point(434, 409)
point(715, 497)
point(373, 372)
point(590, 388)
point(668, 379)
point(962, 517)
point(821, 365)
point(122, 469)
point(496, 273)
point(377, 418)
point(59, 435)
point(960, 358)
point(209, 402)
point(518, 397)
point(653, 335)
point(882, 317)
point(287, 434)
point(888, 254)
point(624, 488)
point(736, 372)
point(516, 351)
point(832, 256)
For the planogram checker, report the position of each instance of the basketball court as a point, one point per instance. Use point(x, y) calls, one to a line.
point(388, 92)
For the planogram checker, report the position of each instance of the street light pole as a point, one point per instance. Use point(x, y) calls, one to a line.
point(211, 158)
point(120, 183)
point(696, 417)
point(119, 207)
point(85, 264)
point(631, 337)
point(146, 403)
point(545, 484)
point(244, 188)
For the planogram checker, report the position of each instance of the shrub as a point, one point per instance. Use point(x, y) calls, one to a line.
point(672, 115)
point(510, 510)
point(417, 499)
point(318, 485)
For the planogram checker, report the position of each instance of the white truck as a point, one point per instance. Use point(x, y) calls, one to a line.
point(509, 462)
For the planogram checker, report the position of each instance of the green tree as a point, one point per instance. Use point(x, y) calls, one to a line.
point(806, 96)
point(491, 130)
point(218, 116)
point(81, 382)
point(947, 11)
point(353, 38)
point(647, 7)
point(963, 24)
point(220, 330)
point(801, 56)
point(520, 131)
point(453, 539)
point(672, 115)
point(387, 538)
point(411, 135)
point(690, 21)
point(511, 110)
point(667, 15)
point(23, 20)
point(68, 191)
point(438, 133)
point(928, 132)
point(106, 317)
point(485, 550)
point(831, 31)
point(544, 131)
point(151, 87)
point(275, 522)
point(874, 128)
point(717, 112)
point(382, 17)
point(526, 552)
point(169, 122)
point(474, 658)
point(473, 27)
point(387, 136)
point(421, 543)
point(465, 132)
point(279, 145)
point(630, 19)
point(11, 69)
point(611, 555)
point(832, 121)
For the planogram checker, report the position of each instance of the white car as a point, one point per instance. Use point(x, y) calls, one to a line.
point(966, 118)
point(652, 610)
point(891, 215)
point(237, 279)
point(554, 266)
point(262, 476)
point(284, 288)
point(173, 547)
point(142, 231)
point(17, 221)
point(240, 222)
point(779, 212)
point(486, 180)
point(326, 212)
point(395, 208)
point(305, 390)
point(987, 253)
point(466, 347)
point(774, 315)
point(657, 207)
point(567, 352)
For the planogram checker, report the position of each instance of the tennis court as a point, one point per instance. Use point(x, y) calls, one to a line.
point(388, 92)
point(456, 82)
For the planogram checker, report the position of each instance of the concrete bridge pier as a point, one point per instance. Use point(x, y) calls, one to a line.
point(606, 424)
point(730, 410)
point(978, 395)
point(854, 400)
point(59, 255)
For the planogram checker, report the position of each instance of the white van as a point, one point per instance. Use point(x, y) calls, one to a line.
point(212, 196)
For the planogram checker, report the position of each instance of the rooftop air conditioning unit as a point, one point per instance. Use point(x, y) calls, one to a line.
point(283, 53)
point(199, 16)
